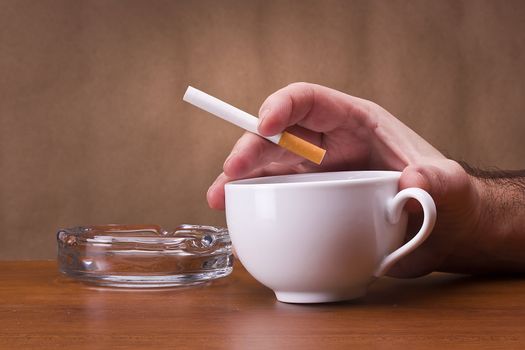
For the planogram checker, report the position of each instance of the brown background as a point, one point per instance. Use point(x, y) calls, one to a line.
point(93, 129)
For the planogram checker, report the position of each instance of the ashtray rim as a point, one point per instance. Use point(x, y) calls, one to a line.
point(112, 231)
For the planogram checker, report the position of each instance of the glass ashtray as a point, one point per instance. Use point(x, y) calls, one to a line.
point(144, 256)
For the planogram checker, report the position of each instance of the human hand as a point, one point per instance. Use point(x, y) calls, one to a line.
point(360, 135)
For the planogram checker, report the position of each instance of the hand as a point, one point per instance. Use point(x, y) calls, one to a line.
point(360, 135)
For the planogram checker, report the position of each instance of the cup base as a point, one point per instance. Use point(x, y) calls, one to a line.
point(318, 297)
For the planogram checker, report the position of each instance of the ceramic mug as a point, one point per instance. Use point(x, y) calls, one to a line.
point(322, 237)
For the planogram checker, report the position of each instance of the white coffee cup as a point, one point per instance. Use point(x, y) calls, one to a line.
point(322, 237)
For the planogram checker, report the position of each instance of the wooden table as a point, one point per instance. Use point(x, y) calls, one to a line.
point(40, 309)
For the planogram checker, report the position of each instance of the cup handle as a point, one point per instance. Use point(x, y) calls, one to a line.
point(394, 209)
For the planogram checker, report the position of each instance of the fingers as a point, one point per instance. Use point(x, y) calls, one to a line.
point(305, 109)
point(285, 107)
point(252, 152)
point(314, 107)
point(308, 111)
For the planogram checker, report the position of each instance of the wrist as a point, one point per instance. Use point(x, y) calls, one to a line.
point(482, 230)
point(469, 242)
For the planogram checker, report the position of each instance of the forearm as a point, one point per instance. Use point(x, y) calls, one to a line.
point(497, 243)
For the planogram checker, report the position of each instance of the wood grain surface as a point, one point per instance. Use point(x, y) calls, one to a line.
point(40, 309)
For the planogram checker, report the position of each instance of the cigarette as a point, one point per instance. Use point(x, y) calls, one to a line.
point(248, 122)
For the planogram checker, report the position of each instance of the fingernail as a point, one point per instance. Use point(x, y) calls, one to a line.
point(209, 197)
point(228, 159)
point(213, 186)
point(262, 115)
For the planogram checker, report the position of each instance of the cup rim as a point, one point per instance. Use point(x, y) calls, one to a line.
point(378, 176)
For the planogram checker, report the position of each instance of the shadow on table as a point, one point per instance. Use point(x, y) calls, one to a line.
point(435, 288)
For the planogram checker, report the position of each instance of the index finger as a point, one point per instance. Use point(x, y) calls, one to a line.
point(311, 106)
